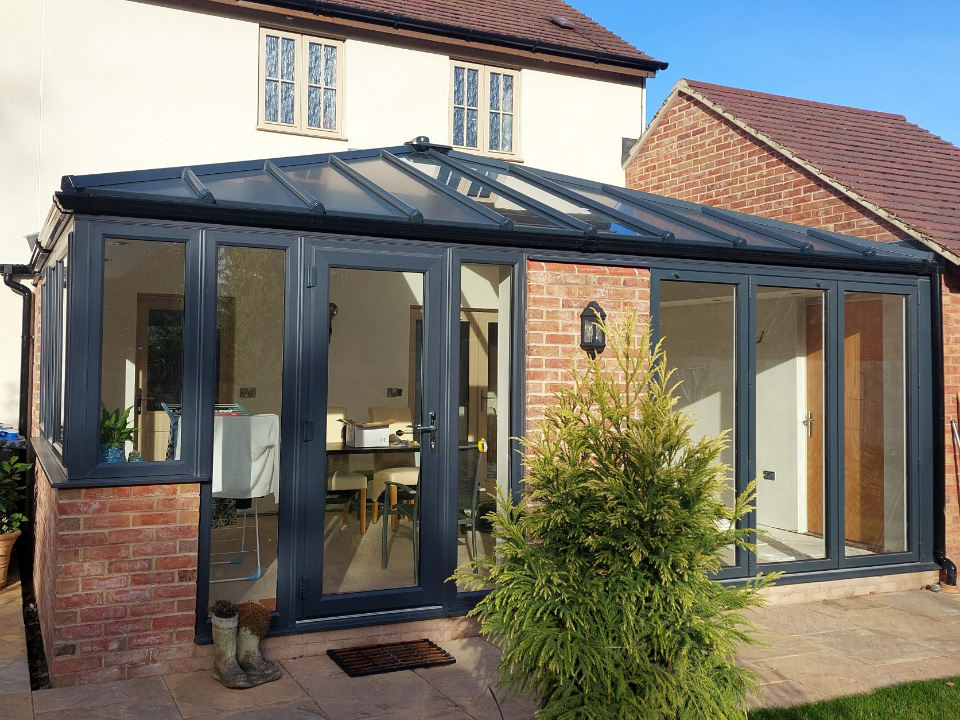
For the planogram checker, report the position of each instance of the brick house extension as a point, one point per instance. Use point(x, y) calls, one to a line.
point(869, 174)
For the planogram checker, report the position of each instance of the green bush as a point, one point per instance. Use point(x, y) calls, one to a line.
point(12, 488)
point(603, 602)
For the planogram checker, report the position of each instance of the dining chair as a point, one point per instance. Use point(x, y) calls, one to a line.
point(469, 477)
point(342, 482)
point(405, 502)
point(405, 470)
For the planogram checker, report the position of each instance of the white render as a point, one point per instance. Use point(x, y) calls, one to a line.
point(112, 85)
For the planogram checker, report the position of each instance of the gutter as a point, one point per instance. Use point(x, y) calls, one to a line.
point(26, 337)
point(400, 22)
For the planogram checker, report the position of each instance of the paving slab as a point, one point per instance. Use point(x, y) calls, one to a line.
point(280, 711)
point(873, 646)
point(152, 708)
point(937, 606)
point(198, 694)
point(831, 673)
point(799, 620)
point(17, 706)
point(101, 694)
point(783, 694)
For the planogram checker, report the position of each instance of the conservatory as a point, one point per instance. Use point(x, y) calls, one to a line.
point(301, 381)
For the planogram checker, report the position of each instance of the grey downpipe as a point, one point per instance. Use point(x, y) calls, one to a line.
point(25, 340)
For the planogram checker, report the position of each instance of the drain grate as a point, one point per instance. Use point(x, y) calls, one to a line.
point(388, 657)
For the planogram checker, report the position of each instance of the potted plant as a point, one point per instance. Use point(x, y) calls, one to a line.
point(226, 669)
point(114, 433)
point(254, 622)
point(11, 493)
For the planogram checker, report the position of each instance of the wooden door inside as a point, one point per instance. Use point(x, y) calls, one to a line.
point(159, 371)
point(814, 418)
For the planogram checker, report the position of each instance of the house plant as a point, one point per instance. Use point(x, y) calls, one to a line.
point(11, 492)
point(254, 623)
point(603, 600)
point(224, 619)
point(114, 433)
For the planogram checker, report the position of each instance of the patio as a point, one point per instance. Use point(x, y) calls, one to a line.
point(813, 651)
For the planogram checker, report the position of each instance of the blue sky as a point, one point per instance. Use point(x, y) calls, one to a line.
point(900, 57)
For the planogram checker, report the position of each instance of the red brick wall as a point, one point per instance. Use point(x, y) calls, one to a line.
point(122, 563)
point(697, 155)
point(556, 295)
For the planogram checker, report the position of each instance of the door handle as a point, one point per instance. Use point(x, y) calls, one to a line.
point(809, 423)
point(139, 408)
point(432, 429)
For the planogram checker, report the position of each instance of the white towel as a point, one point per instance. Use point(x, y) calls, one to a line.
point(246, 456)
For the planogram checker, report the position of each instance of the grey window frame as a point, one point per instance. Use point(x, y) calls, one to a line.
point(52, 309)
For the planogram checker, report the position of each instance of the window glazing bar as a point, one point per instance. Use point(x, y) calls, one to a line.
point(736, 219)
point(503, 221)
point(305, 197)
point(411, 212)
point(510, 194)
point(193, 182)
point(630, 198)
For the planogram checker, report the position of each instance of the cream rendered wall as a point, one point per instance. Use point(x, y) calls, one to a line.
point(128, 85)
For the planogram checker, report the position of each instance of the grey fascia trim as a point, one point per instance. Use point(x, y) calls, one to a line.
point(411, 212)
point(735, 219)
point(305, 197)
point(503, 221)
point(654, 123)
point(639, 226)
point(556, 215)
point(820, 174)
point(193, 182)
point(653, 207)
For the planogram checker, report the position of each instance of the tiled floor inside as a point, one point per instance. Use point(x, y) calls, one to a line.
point(812, 651)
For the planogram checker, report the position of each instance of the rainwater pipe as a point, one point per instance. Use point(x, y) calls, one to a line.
point(948, 570)
point(10, 272)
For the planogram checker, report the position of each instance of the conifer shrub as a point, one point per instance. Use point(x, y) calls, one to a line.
point(602, 600)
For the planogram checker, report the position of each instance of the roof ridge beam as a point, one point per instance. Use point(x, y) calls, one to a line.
point(558, 216)
point(734, 240)
point(412, 213)
point(503, 221)
point(305, 197)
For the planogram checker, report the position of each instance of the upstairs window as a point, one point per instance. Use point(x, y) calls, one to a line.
point(484, 109)
point(301, 89)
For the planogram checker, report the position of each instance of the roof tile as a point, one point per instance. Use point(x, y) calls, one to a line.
point(895, 164)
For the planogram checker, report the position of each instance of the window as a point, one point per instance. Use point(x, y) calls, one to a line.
point(53, 306)
point(300, 84)
point(484, 109)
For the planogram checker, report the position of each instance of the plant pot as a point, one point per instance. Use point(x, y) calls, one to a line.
point(226, 669)
point(6, 547)
point(258, 669)
point(111, 454)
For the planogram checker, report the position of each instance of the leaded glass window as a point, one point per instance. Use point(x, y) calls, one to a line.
point(483, 113)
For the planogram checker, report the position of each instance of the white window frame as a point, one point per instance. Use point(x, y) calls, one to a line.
point(301, 85)
point(483, 120)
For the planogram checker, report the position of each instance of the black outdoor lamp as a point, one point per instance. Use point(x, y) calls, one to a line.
point(593, 339)
point(333, 312)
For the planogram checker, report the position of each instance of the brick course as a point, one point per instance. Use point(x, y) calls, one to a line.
point(697, 155)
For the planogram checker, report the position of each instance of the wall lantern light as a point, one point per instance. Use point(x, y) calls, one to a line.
point(593, 339)
point(333, 312)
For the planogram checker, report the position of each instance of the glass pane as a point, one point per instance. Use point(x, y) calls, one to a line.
point(458, 126)
point(330, 66)
point(375, 474)
point(315, 70)
point(272, 65)
point(63, 350)
point(314, 107)
point(473, 88)
point(508, 93)
point(874, 448)
point(337, 192)
point(494, 131)
point(472, 127)
point(287, 59)
point(790, 426)
point(286, 103)
point(494, 91)
point(271, 101)
point(507, 139)
point(246, 425)
point(483, 467)
point(142, 365)
point(698, 327)
point(329, 109)
point(458, 73)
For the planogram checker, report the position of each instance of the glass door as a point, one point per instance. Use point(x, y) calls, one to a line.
point(370, 478)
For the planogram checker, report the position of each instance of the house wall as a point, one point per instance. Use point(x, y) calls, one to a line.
point(697, 155)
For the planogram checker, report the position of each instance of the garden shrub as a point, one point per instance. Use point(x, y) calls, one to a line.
point(603, 602)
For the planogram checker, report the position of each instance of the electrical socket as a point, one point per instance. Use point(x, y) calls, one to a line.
point(248, 392)
point(394, 392)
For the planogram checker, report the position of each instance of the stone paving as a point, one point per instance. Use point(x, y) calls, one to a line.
point(813, 651)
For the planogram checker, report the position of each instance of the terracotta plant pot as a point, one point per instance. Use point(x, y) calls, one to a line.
point(6, 547)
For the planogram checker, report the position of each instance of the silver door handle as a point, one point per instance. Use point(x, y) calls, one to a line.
point(809, 423)
point(432, 429)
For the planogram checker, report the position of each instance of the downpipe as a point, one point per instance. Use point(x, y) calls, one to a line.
point(25, 340)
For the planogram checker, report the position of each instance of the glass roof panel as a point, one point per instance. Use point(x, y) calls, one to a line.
point(753, 237)
point(170, 187)
point(254, 187)
point(521, 216)
point(601, 222)
point(338, 192)
point(434, 205)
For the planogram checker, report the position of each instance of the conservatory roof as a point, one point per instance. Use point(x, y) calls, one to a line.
point(426, 191)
